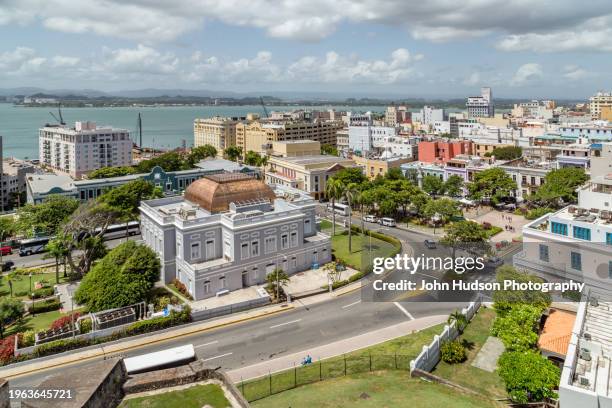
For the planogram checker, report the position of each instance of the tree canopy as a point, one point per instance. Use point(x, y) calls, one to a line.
point(106, 172)
point(232, 153)
point(433, 185)
point(453, 185)
point(350, 175)
point(465, 235)
point(252, 158)
point(506, 153)
point(125, 199)
point(444, 207)
point(47, 217)
point(123, 277)
point(200, 153)
point(8, 227)
point(171, 161)
point(560, 184)
point(528, 376)
point(329, 150)
point(493, 183)
point(10, 310)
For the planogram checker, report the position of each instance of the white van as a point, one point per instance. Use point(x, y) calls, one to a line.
point(369, 218)
point(387, 222)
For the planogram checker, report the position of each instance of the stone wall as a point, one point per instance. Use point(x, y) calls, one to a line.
point(170, 377)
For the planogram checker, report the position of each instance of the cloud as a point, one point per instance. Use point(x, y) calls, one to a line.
point(526, 74)
point(574, 72)
point(522, 25)
point(472, 80)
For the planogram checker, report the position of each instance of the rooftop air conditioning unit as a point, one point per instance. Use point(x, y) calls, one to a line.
point(585, 355)
point(584, 381)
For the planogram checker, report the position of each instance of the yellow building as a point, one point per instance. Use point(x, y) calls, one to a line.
point(606, 113)
point(294, 148)
point(379, 167)
point(218, 132)
point(498, 121)
point(257, 136)
point(480, 149)
point(599, 101)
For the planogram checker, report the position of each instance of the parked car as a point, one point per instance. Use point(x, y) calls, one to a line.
point(430, 243)
point(387, 222)
point(495, 261)
point(370, 218)
point(6, 250)
point(7, 266)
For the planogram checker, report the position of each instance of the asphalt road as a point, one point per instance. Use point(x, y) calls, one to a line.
point(296, 330)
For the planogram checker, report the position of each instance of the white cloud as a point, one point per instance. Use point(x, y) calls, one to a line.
point(472, 80)
point(526, 74)
point(574, 72)
point(522, 24)
point(62, 61)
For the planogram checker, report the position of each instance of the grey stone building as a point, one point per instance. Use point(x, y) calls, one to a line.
point(230, 230)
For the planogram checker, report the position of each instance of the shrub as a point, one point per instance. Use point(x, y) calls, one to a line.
point(7, 349)
point(41, 293)
point(528, 376)
point(453, 352)
point(26, 339)
point(22, 293)
point(65, 321)
point(486, 225)
point(538, 212)
point(45, 306)
point(355, 277)
point(159, 323)
point(180, 286)
point(59, 346)
point(161, 303)
point(85, 326)
point(517, 329)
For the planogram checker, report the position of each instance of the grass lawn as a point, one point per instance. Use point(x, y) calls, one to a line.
point(39, 322)
point(465, 374)
point(377, 389)
point(192, 397)
point(392, 354)
point(360, 249)
point(21, 282)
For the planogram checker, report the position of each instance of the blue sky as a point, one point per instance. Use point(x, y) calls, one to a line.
point(438, 48)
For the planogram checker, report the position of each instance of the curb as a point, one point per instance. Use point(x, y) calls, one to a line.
point(103, 350)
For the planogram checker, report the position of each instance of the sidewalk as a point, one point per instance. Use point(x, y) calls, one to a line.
point(334, 349)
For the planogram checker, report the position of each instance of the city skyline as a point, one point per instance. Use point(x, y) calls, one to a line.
point(548, 49)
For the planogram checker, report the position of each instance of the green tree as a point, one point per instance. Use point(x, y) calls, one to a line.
point(350, 175)
point(333, 191)
point(506, 299)
point(560, 186)
point(252, 158)
point(171, 161)
point(329, 150)
point(453, 185)
point(444, 207)
point(123, 277)
point(460, 320)
point(7, 230)
point(47, 217)
point(433, 185)
point(276, 279)
point(10, 310)
point(106, 172)
point(464, 235)
point(232, 153)
point(394, 173)
point(200, 153)
point(493, 183)
point(518, 328)
point(505, 153)
point(528, 376)
point(350, 192)
point(58, 248)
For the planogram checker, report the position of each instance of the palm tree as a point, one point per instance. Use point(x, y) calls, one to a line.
point(57, 248)
point(333, 191)
point(350, 192)
point(276, 279)
point(460, 320)
point(263, 162)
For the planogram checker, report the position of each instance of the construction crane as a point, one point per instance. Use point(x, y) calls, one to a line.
point(263, 105)
point(59, 120)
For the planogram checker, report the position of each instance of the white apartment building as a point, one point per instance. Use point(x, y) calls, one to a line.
point(219, 132)
point(481, 106)
point(83, 148)
point(428, 116)
point(364, 138)
point(599, 100)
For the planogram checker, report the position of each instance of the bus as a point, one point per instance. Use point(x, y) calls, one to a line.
point(33, 246)
point(341, 209)
point(172, 357)
point(116, 231)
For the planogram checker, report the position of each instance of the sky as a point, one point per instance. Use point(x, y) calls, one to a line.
point(433, 48)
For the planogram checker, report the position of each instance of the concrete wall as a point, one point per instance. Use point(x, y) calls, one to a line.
point(5, 402)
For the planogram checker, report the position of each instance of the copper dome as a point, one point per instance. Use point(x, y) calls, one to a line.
point(215, 193)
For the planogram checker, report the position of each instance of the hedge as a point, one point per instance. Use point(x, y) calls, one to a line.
point(45, 306)
point(42, 293)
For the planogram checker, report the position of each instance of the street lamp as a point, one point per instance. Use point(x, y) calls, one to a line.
point(32, 294)
point(70, 289)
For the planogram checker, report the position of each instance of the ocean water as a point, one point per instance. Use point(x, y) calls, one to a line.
point(163, 127)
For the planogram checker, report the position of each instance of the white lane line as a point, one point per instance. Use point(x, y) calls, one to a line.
point(206, 344)
point(283, 324)
point(351, 304)
point(407, 313)
point(222, 355)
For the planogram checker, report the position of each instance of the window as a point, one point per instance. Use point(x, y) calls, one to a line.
point(270, 244)
point(544, 253)
point(255, 248)
point(609, 238)
point(576, 259)
point(244, 251)
point(195, 250)
point(582, 233)
point(307, 227)
point(210, 249)
point(206, 286)
point(610, 269)
point(559, 228)
point(294, 239)
point(284, 241)
point(221, 282)
point(294, 262)
point(254, 274)
point(314, 257)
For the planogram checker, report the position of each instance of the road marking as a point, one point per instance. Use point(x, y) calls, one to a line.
point(206, 344)
point(219, 356)
point(351, 304)
point(283, 324)
point(407, 313)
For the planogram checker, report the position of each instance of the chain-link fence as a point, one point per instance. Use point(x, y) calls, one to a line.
point(321, 370)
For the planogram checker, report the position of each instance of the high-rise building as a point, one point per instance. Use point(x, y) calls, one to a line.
point(394, 115)
point(85, 147)
point(481, 106)
point(598, 101)
point(219, 132)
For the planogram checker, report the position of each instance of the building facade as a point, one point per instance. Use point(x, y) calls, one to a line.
point(230, 231)
point(440, 151)
point(598, 101)
point(219, 132)
point(482, 105)
point(379, 166)
point(85, 147)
